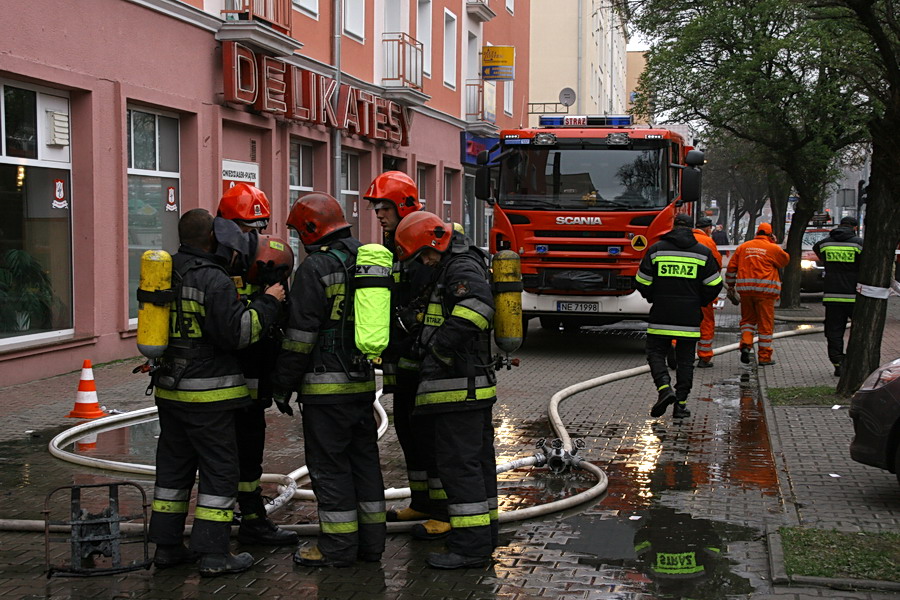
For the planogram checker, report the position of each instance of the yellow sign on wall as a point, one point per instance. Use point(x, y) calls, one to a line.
point(498, 63)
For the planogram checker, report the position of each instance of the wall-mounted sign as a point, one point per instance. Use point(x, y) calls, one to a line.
point(59, 194)
point(171, 202)
point(498, 63)
point(270, 85)
point(234, 171)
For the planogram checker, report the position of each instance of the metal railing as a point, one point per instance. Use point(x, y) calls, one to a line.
point(402, 61)
point(276, 13)
point(478, 103)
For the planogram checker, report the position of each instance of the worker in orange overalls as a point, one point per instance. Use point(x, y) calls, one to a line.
point(753, 273)
point(702, 229)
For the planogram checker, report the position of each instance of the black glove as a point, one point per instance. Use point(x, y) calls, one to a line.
point(283, 402)
point(270, 273)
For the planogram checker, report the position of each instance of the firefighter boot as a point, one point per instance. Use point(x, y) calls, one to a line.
point(172, 555)
point(311, 556)
point(745, 356)
point(404, 514)
point(837, 369)
point(265, 532)
point(212, 565)
point(430, 530)
point(666, 397)
point(451, 560)
point(704, 364)
point(681, 410)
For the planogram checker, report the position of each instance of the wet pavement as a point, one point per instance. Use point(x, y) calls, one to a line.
point(685, 514)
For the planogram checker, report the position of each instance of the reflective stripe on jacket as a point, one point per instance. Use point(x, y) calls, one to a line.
point(753, 268)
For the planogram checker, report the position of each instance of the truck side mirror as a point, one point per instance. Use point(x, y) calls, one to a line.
point(483, 184)
point(695, 158)
point(483, 157)
point(690, 184)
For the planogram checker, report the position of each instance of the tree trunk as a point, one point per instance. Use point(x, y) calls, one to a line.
point(882, 234)
point(790, 278)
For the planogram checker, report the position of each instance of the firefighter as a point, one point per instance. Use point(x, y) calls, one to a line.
point(702, 230)
point(457, 387)
point(247, 207)
point(393, 196)
point(678, 276)
point(840, 252)
point(752, 274)
point(200, 389)
point(336, 388)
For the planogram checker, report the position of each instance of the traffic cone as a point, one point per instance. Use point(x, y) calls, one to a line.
point(87, 443)
point(86, 405)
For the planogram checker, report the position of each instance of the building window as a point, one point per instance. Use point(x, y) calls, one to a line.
point(423, 33)
point(511, 6)
point(355, 19)
point(449, 49)
point(508, 97)
point(309, 7)
point(153, 190)
point(300, 182)
point(422, 185)
point(449, 177)
point(350, 184)
point(35, 216)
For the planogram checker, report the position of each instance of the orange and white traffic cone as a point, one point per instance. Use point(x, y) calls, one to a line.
point(87, 443)
point(86, 405)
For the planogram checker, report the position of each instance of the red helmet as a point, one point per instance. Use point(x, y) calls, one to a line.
point(419, 231)
point(315, 215)
point(274, 261)
point(246, 204)
point(397, 188)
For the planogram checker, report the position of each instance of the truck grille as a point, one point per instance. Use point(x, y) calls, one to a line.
point(578, 233)
point(577, 280)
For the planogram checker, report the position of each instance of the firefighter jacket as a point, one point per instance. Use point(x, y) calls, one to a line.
point(457, 372)
point(840, 252)
point(707, 241)
point(319, 358)
point(753, 268)
point(258, 360)
point(208, 323)
point(678, 276)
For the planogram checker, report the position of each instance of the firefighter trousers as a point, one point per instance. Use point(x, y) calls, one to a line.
point(342, 455)
point(250, 430)
point(413, 438)
point(836, 316)
point(707, 333)
point(658, 346)
point(188, 441)
point(463, 446)
point(758, 316)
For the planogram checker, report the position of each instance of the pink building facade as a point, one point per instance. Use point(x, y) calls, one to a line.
point(117, 116)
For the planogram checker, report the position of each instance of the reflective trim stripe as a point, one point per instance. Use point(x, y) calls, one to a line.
point(686, 328)
point(409, 365)
point(335, 377)
point(338, 521)
point(417, 475)
point(469, 508)
point(662, 387)
point(764, 281)
point(470, 521)
point(211, 383)
point(435, 483)
point(250, 328)
point(298, 335)
point(693, 257)
point(494, 514)
point(191, 307)
point(213, 514)
point(830, 297)
point(644, 280)
point(371, 512)
point(248, 486)
point(332, 279)
point(418, 486)
point(339, 527)
point(641, 546)
point(192, 294)
point(714, 279)
point(252, 385)
point(211, 501)
point(455, 396)
point(755, 288)
point(437, 494)
point(371, 507)
point(298, 347)
point(208, 396)
point(445, 385)
point(324, 389)
point(169, 506)
point(171, 494)
point(470, 315)
point(673, 333)
point(833, 244)
point(482, 308)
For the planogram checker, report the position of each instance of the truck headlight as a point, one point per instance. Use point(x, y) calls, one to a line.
point(807, 264)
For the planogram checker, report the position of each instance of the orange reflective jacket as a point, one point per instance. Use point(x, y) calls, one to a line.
point(753, 269)
point(702, 237)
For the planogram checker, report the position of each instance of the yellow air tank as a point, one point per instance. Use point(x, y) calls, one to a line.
point(154, 299)
point(506, 280)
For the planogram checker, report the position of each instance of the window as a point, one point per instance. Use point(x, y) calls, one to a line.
point(350, 184)
point(511, 6)
point(508, 97)
point(355, 18)
point(423, 33)
point(309, 7)
point(35, 216)
point(300, 182)
point(449, 49)
point(449, 177)
point(153, 190)
point(422, 185)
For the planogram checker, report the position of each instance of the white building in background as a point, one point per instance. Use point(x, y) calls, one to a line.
point(577, 44)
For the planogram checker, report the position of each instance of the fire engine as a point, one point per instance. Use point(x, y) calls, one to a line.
point(580, 199)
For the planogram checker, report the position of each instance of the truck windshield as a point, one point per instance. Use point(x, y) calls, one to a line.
point(583, 178)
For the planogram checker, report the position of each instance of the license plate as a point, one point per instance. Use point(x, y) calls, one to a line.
point(592, 307)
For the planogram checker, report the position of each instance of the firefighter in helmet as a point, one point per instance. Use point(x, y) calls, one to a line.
point(457, 384)
point(394, 196)
point(247, 207)
point(336, 388)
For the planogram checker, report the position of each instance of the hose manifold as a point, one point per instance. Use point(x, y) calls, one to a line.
point(560, 460)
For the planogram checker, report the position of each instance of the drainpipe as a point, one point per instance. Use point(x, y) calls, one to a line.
point(578, 75)
point(337, 16)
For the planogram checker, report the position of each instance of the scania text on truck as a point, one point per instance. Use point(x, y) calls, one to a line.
point(580, 199)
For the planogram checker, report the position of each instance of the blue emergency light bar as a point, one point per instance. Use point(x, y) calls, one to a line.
point(585, 121)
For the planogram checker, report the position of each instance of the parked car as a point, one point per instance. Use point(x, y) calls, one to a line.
point(875, 410)
point(812, 270)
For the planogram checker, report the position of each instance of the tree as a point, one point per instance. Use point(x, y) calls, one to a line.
point(764, 72)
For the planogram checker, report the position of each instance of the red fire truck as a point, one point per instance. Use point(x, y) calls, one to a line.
point(580, 198)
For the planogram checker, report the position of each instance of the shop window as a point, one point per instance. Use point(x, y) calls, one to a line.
point(300, 182)
point(153, 191)
point(449, 179)
point(449, 49)
point(355, 18)
point(35, 217)
point(423, 33)
point(350, 184)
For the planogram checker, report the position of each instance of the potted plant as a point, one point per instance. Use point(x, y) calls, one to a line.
point(26, 295)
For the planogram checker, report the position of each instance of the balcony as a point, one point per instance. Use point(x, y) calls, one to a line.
point(275, 13)
point(479, 10)
point(403, 68)
point(481, 107)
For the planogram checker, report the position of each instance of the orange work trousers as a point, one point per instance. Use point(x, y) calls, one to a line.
point(758, 317)
point(707, 333)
